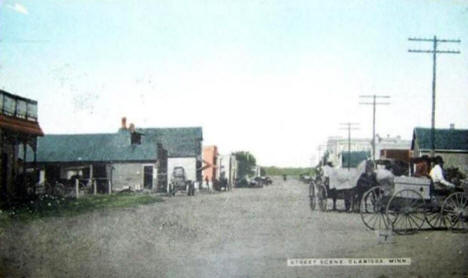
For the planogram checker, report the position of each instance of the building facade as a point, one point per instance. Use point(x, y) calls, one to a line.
point(211, 165)
point(385, 147)
point(227, 168)
point(451, 144)
point(112, 161)
point(184, 149)
point(19, 128)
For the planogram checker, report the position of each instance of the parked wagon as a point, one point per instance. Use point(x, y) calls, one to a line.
point(345, 184)
point(179, 182)
point(409, 202)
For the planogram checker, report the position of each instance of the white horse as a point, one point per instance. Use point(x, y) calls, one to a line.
point(350, 184)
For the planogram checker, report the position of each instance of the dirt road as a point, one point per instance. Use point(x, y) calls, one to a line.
point(243, 233)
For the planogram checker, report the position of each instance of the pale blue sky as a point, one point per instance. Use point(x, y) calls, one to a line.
point(272, 77)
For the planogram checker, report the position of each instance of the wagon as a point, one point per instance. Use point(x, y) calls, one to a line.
point(340, 184)
point(179, 182)
point(409, 202)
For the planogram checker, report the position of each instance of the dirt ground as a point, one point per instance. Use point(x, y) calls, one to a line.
point(243, 233)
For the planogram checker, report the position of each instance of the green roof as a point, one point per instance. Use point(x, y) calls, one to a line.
point(179, 142)
point(92, 148)
point(444, 139)
point(355, 158)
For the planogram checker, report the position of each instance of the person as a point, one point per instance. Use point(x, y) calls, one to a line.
point(422, 167)
point(366, 180)
point(437, 175)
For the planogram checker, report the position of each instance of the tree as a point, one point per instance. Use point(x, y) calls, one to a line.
point(246, 163)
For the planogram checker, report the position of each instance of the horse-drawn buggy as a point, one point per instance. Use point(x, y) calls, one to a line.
point(345, 184)
point(409, 202)
point(388, 200)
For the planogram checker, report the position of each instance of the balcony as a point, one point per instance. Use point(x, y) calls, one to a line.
point(19, 115)
point(18, 107)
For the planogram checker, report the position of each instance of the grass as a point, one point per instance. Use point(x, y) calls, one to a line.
point(50, 206)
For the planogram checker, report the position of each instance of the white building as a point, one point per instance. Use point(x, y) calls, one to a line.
point(337, 146)
point(227, 168)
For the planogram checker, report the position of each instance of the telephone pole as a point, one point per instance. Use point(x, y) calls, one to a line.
point(434, 53)
point(374, 103)
point(349, 126)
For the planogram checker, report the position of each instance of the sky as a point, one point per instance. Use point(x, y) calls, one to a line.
point(275, 78)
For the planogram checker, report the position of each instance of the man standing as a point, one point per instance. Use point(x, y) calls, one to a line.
point(437, 175)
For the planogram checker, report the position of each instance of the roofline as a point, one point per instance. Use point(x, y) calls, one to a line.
point(79, 134)
point(96, 161)
point(444, 150)
point(18, 97)
point(428, 128)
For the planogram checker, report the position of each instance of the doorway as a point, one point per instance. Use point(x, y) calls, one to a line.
point(148, 177)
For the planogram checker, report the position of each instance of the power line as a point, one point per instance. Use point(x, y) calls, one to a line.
point(434, 53)
point(374, 103)
point(349, 126)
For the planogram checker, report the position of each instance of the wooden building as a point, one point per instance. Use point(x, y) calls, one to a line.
point(451, 144)
point(112, 160)
point(19, 128)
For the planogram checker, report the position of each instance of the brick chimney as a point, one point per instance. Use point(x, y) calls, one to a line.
point(124, 123)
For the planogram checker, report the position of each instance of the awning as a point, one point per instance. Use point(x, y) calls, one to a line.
point(20, 126)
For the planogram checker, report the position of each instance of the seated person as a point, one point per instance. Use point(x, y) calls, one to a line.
point(422, 166)
point(437, 175)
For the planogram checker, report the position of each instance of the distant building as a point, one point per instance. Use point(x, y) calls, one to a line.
point(393, 148)
point(210, 159)
point(184, 149)
point(19, 128)
point(451, 144)
point(139, 158)
point(227, 168)
point(385, 147)
point(112, 160)
point(337, 148)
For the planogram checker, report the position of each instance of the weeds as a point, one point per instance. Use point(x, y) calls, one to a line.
point(51, 206)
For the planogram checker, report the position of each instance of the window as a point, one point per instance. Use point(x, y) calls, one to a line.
point(136, 138)
point(32, 111)
point(9, 105)
point(21, 107)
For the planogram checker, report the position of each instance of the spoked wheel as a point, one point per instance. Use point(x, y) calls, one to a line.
point(435, 217)
point(312, 196)
point(372, 209)
point(406, 212)
point(455, 208)
point(322, 197)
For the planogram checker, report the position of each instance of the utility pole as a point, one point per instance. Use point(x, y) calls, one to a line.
point(374, 103)
point(349, 126)
point(434, 53)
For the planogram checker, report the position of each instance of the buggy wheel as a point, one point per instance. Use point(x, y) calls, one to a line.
point(455, 208)
point(312, 196)
point(322, 197)
point(435, 217)
point(406, 212)
point(372, 209)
